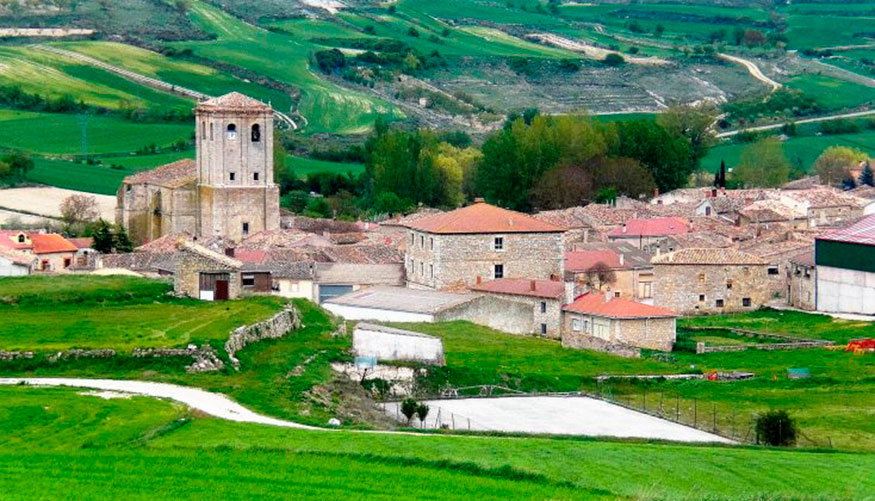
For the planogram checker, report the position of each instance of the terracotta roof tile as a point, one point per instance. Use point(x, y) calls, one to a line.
point(596, 304)
point(653, 227)
point(172, 175)
point(17, 257)
point(50, 243)
point(549, 289)
point(82, 243)
point(861, 232)
point(719, 256)
point(483, 218)
point(234, 101)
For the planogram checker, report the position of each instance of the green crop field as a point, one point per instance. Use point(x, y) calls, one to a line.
point(831, 92)
point(62, 134)
point(32, 323)
point(57, 439)
point(74, 176)
point(302, 166)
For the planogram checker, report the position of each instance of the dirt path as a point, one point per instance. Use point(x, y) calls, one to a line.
point(591, 50)
point(222, 407)
point(760, 128)
point(145, 80)
point(752, 69)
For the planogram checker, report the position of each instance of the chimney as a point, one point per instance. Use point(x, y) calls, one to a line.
point(569, 292)
point(622, 259)
point(533, 285)
point(713, 192)
point(479, 280)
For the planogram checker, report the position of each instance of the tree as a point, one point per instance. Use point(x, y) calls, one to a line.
point(408, 408)
point(121, 241)
point(103, 238)
point(753, 38)
point(763, 165)
point(776, 428)
point(77, 211)
point(666, 156)
point(330, 61)
point(422, 413)
point(562, 187)
point(835, 163)
point(614, 59)
point(18, 164)
point(626, 176)
point(867, 177)
point(693, 123)
point(659, 30)
point(599, 275)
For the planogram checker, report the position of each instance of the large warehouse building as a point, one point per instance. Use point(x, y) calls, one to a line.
point(845, 261)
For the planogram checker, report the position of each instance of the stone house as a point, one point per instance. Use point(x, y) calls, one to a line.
point(14, 263)
point(627, 268)
point(604, 322)
point(53, 252)
point(227, 191)
point(711, 280)
point(481, 242)
point(801, 280)
point(543, 297)
point(205, 274)
point(764, 214)
point(825, 206)
point(646, 232)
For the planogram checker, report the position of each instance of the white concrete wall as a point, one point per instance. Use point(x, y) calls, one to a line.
point(289, 288)
point(845, 291)
point(379, 315)
point(9, 269)
point(397, 346)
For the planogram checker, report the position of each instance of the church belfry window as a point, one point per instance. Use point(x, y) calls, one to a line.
point(255, 176)
point(232, 132)
point(256, 133)
point(204, 130)
point(211, 131)
point(232, 176)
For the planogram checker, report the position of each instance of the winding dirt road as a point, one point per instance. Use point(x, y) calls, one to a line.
point(760, 128)
point(752, 69)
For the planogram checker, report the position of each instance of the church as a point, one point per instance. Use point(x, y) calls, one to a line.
point(227, 191)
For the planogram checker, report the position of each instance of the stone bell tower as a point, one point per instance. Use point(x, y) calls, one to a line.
point(235, 191)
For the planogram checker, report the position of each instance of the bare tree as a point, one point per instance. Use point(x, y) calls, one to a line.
point(599, 275)
point(78, 211)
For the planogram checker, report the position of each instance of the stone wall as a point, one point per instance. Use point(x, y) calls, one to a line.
point(581, 342)
point(205, 358)
point(8, 356)
point(274, 327)
point(801, 280)
point(513, 317)
point(444, 261)
point(552, 318)
point(696, 289)
point(650, 333)
point(189, 265)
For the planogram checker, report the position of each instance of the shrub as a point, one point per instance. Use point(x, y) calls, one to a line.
point(422, 412)
point(613, 59)
point(408, 408)
point(776, 428)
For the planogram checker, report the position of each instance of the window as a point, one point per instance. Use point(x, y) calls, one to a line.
point(421, 268)
point(412, 266)
point(248, 280)
point(421, 241)
point(617, 294)
point(203, 130)
point(773, 270)
point(543, 329)
point(575, 324)
point(719, 303)
point(701, 298)
point(256, 133)
point(745, 302)
point(21, 238)
point(431, 270)
point(499, 271)
point(412, 237)
point(128, 188)
point(231, 175)
point(729, 284)
point(701, 277)
point(255, 176)
point(543, 307)
point(232, 132)
point(245, 229)
point(646, 290)
point(211, 131)
point(707, 211)
point(67, 262)
point(431, 243)
point(44, 265)
point(499, 243)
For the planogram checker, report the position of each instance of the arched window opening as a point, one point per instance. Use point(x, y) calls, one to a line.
point(21, 238)
point(256, 133)
point(232, 132)
point(203, 130)
point(211, 131)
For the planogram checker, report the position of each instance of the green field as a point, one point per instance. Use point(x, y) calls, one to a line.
point(833, 93)
point(61, 134)
point(132, 447)
point(800, 150)
point(303, 166)
point(74, 176)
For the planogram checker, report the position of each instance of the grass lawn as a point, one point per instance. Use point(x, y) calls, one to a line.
point(61, 134)
point(792, 323)
point(132, 447)
point(74, 176)
point(302, 166)
point(831, 92)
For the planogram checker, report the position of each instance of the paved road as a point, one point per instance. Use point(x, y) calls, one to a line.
point(855, 114)
point(600, 418)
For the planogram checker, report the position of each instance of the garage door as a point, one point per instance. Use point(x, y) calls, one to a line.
point(330, 291)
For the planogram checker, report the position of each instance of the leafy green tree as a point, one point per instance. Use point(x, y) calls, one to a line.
point(667, 157)
point(103, 238)
point(835, 163)
point(422, 412)
point(17, 165)
point(763, 165)
point(693, 123)
point(295, 201)
point(318, 207)
point(614, 59)
point(408, 408)
point(776, 428)
point(121, 241)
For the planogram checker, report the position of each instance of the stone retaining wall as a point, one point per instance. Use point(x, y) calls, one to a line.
point(275, 327)
point(205, 357)
point(7, 356)
point(793, 342)
point(597, 344)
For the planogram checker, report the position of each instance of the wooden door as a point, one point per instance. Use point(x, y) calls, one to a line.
point(221, 290)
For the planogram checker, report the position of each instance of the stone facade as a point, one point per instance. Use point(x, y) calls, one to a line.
point(228, 191)
point(513, 317)
point(274, 327)
point(544, 317)
point(193, 263)
point(651, 333)
point(711, 288)
point(801, 280)
point(442, 261)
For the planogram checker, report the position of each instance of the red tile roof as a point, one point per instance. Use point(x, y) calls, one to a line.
point(709, 256)
point(50, 243)
point(172, 175)
point(234, 101)
point(596, 304)
point(481, 217)
point(861, 232)
point(586, 259)
point(82, 243)
point(653, 227)
point(9, 239)
point(549, 289)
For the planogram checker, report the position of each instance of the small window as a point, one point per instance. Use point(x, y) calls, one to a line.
point(575, 324)
point(245, 229)
point(701, 277)
point(745, 302)
point(707, 211)
point(231, 176)
point(499, 271)
point(128, 188)
point(701, 298)
point(431, 243)
point(412, 266)
point(729, 284)
point(499, 243)
point(543, 329)
point(431, 270)
point(256, 133)
point(421, 268)
point(211, 131)
point(543, 307)
point(412, 237)
point(248, 280)
point(421, 241)
point(255, 176)
point(617, 294)
point(719, 303)
point(232, 132)
point(45, 265)
point(21, 238)
point(203, 130)
point(67, 262)
point(773, 270)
